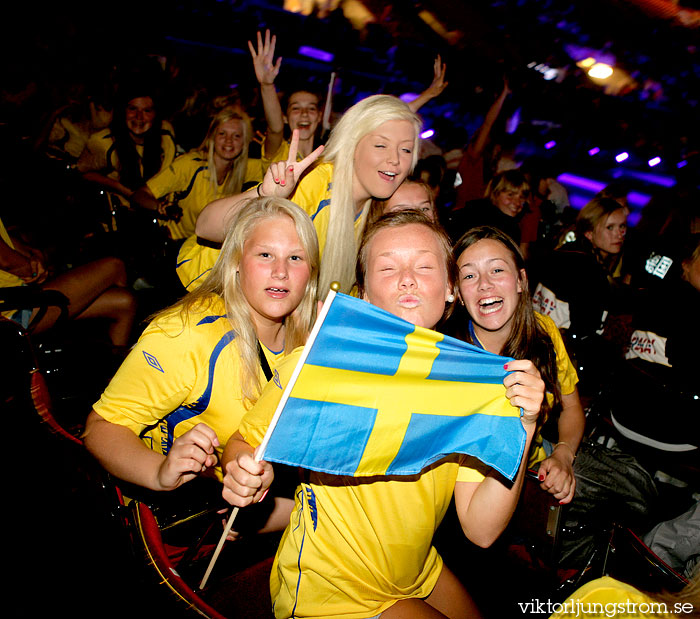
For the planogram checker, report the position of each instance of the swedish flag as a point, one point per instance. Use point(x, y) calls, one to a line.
point(377, 395)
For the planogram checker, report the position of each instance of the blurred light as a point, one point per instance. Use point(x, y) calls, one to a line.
point(317, 54)
point(633, 218)
point(621, 157)
point(578, 201)
point(635, 198)
point(594, 151)
point(513, 122)
point(407, 97)
point(548, 73)
point(654, 161)
point(586, 62)
point(581, 182)
point(682, 164)
point(428, 133)
point(600, 70)
point(550, 144)
point(653, 179)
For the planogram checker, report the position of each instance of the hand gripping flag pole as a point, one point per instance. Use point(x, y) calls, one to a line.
point(260, 451)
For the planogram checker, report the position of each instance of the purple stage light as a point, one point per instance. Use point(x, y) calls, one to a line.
point(635, 198)
point(682, 164)
point(407, 97)
point(315, 53)
point(621, 157)
point(550, 144)
point(594, 151)
point(581, 182)
point(428, 133)
point(654, 161)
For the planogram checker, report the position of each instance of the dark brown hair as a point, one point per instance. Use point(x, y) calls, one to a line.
point(528, 338)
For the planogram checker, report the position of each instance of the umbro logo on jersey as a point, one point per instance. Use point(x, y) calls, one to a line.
point(153, 362)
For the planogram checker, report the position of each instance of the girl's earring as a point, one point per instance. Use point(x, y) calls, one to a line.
point(450, 298)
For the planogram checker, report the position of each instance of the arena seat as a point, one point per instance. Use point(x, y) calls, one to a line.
point(166, 538)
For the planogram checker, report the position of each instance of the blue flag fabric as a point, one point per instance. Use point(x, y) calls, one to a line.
point(378, 395)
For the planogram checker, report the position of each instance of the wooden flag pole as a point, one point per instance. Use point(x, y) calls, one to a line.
point(260, 451)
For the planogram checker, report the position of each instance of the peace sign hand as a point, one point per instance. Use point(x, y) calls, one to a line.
point(282, 176)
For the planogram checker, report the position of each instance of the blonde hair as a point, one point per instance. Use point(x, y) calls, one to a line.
point(595, 213)
point(361, 119)
point(223, 281)
point(235, 178)
point(508, 180)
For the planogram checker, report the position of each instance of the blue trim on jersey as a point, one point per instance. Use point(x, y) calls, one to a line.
point(302, 520)
point(187, 286)
point(321, 205)
point(475, 340)
point(209, 319)
point(188, 411)
point(181, 195)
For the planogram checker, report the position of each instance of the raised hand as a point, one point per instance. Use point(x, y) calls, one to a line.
point(266, 70)
point(282, 176)
point(438, 84)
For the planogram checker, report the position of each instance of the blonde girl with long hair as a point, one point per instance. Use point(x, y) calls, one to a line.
point(200, 364)
point(370, 151)
point(218, 167)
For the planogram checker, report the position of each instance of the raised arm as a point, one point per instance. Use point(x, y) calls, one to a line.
point(266, 71)
point(280, 180)
point(436, 87)
point(477, 145)
point(126, 456)
point(485, 508)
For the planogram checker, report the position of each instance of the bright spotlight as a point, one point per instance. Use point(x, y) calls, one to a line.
point(428, 133)
point(600, 70)
point(550, 144)
point(654, 161)
point(621, 157)
point(586, 62)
